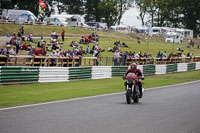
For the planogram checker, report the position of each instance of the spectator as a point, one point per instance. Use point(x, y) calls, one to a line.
point(53, 39)
point(137, 55)
point(18, 45)
point(31, 52)
point(12, 40)
point(29, 47)
point(96, 52)
point(120, 45)
point(115, 48)
point(179, 49)
point(73, 44)
point(188, 54)
point(24, 46)
point(38, 52)
point(19, 34)
point(63, 35)
point(138, 39)
point(183, 57)
point(88, 49)
point(22, 30)
point(39, 44)
point(164, 54)
point(44, 49)
point(53, 61)
point(82, 50)
point(14, 35)
point(124, 44)
point(55, 46)
point(30, 38)
point(84, 40)
point(116, 58)
point(6, 50)
point(95, 37)
point(54, 35)
point(159, 55)
point(57, 53)
point(13, 51)
point(110, 49)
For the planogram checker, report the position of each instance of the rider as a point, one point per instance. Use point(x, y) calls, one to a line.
point(133, 68)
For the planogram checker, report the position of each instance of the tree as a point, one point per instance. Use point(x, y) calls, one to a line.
point(91, 10)
point(122, 7)
point(71, 6)
point(191, 14)
point(108, 12)
point(142, 8)
point(171, 13)
point(8, 4)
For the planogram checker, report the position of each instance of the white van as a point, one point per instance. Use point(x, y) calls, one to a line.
point(16, 14)
point(156, 31)
point(173, 37)
point(55, 21)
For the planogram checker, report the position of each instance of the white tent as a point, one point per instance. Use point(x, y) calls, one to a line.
point(72, 20)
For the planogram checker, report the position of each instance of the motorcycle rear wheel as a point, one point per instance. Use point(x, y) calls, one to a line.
point(136, 100)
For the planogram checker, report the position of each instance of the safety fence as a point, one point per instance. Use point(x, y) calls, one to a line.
point(49, 61)
point(46, 61)
point(108, 61)
point(19, 75)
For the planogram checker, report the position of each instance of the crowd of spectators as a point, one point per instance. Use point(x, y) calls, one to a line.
point(89, 39)
point(118, 43)
point(120, 57)
point(19, 42)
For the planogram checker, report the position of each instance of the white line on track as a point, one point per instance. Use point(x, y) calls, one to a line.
point(60, 101)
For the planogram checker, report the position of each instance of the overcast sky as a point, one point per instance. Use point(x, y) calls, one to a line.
point(130, 17)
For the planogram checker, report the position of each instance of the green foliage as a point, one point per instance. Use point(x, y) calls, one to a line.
point(171, 13)
point(122, 7)
point(108, 12)
point(71, 6)
point(92, 11)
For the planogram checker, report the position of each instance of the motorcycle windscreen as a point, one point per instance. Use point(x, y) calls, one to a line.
point(131, 75)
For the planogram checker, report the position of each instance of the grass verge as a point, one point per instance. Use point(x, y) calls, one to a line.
point(14, 95)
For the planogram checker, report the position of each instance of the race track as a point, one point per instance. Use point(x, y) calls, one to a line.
point(174, 109)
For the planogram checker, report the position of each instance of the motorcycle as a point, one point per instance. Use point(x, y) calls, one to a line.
point(132, 87)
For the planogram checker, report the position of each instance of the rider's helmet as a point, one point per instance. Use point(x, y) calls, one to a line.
point(133, 66)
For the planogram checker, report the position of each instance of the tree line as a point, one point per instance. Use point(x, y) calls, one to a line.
point(107, 11)
point(170, 13)
point(165, 13)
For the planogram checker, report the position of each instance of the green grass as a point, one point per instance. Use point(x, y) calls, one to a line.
point(154, 47)
point(38, 30)
point(14, 95)
point(106, 39)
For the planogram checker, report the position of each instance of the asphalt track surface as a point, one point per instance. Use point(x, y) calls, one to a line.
point(173, 109)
